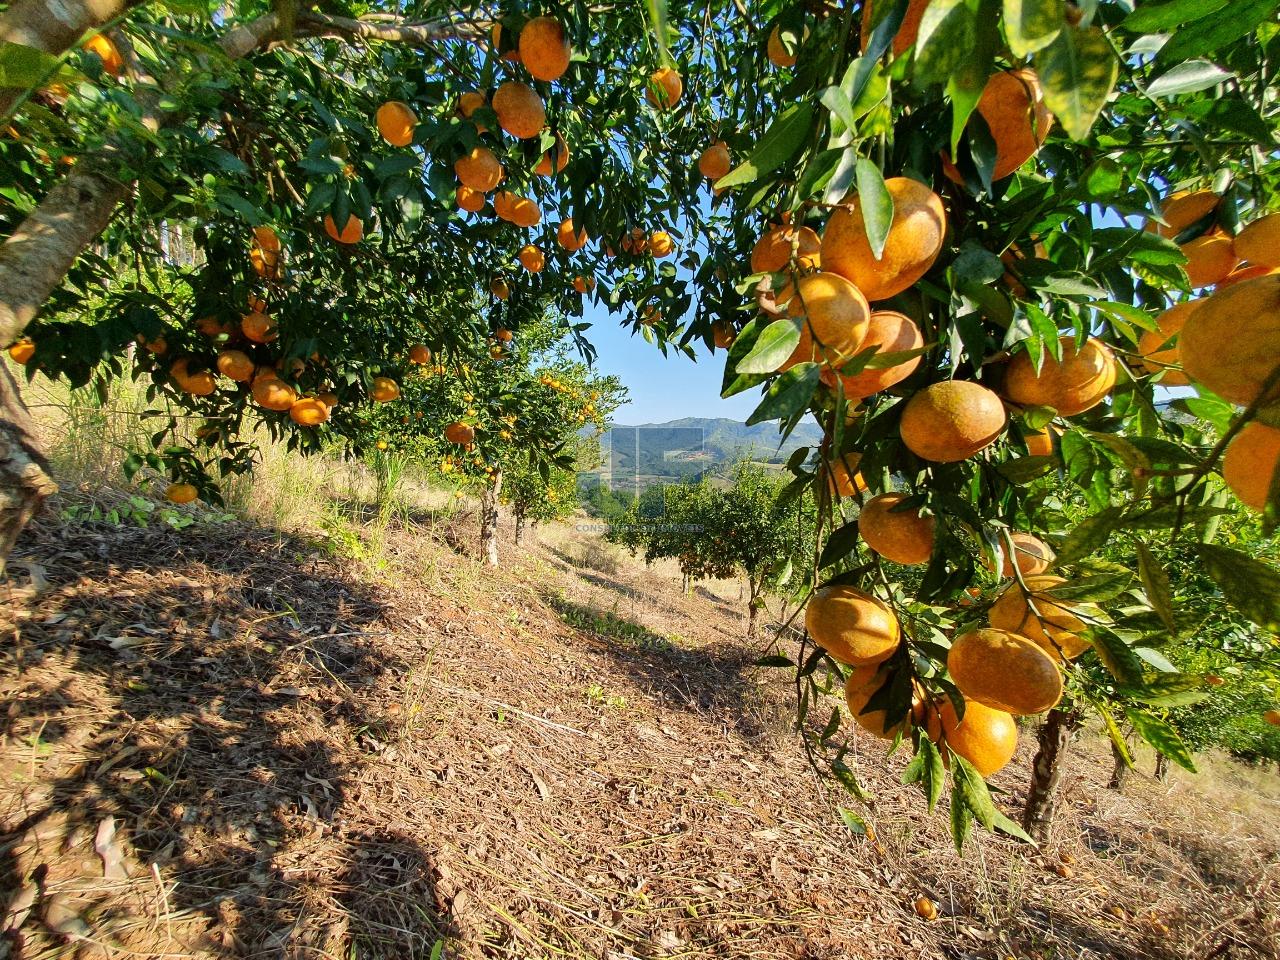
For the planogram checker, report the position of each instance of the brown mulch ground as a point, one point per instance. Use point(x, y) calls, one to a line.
point(223, 741)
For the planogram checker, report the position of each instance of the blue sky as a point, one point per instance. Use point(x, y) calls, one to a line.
point(661, 388)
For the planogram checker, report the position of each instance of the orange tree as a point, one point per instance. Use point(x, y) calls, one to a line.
point(995, 233)
point(520, 408)
point(979, 170)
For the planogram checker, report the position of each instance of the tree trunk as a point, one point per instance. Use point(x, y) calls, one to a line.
point(1120, 770)
point(24, 476)
point(1162, 767)
point(52, 26)
point(489, 520)
point(1046, 772)
point(519, 525)
point(753, 609)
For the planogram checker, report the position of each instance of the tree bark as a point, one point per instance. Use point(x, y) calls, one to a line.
point(24, 471)
point(753, 609)
point(52, 26)
point(1046, 772)
point(489, 520)
point(1120, 770)
point(1162, 767)
point(519, 525)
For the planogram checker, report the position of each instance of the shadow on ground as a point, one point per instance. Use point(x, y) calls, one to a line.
point(199, 692)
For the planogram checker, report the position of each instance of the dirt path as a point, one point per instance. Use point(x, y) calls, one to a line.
point(225, 742)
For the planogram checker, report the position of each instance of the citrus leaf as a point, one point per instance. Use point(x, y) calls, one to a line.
point(1078, 71)
point(1091, 534)
point(1118, 657)
point(1163, 737)
point(1030, 25)
point(1156, 582)
point(1212, 33)
point(775, 344)
point(1158, 17)
point(839, 545)
point(948, 31)
point(787, 395)
point(776, 147)
point(1249, 585)
point(853, 821)
point(1188, 78)
point(1114, 732)
point(876, 205)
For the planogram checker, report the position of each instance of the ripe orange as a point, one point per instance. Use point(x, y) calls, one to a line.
point(908, 30)
point(1158, 358)
point(516, 209)
point(838, 316)
point(1245, 272)
point(854, 627)
point(212, 328)
point(532, 259)
point(469, 103)
point(664, 89)
point(650, 316)
point(1272, 717)
point(1259, 242)
point(258, 327)
point(1004, 671)
point(503, 334)
point(459, 433)
point(777, 51)
point(951, 420)
point(309, 411)
point(858, 691)
point(1032, 555)
point(351, 232)
point(236, 365)
point(22, 351)
point(479, 169)
point(561, 159)
point(1009, 103)
point(914, 242)
point(903, 536)
point(985, 737)
point(926, 909)
point(1231, 344)
point(519, 109)
point(570, 239)
point(661, 244)
point(396, 122)
point(714, 162)
point(772, 251)
point(1078, 382)
point(498, 287)
point(842, 475)
point(1210, 259)
point(584, 284)
point(1053, 624)
point(1251, 462)
point(1039, 442)
point(496, 35)
point(889, 332)
point(419, 354)
point(328, 398)
point(157, 346)
point(1182, 209)
point(107, 51)
point(384, 389)
point(470, 200)
point(273, 393)
point(723, 334)
point(545, 49)
point(181, 493)
point(200, 383)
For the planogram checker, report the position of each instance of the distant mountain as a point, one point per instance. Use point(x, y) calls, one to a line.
point(694, 445)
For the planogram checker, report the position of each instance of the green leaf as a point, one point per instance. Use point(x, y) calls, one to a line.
point(1212, 33)
point(1114, 732)
point(1007, 826)
point(774, 660)
point(23, 66)
point(837, 101)
point(1118, 657)
point(876, 204)
point(1165, 518)
point(933, 773)
point(948, 32)
point(839, 545)
point(968, 782)
point(1167, 690)
point(961, 819)
point(1078, 71)
point(1163, 737)
point(1188, 78)
point(1091, 534)
point(1030, 25)
point(787, 395)
point(1159, 17)
point(776, 343)
point(1249, 585)
point(854, 822)
point(1092, 589)
point(1156, 582)
point(776, 147)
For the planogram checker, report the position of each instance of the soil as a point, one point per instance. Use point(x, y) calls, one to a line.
point(227, 741)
